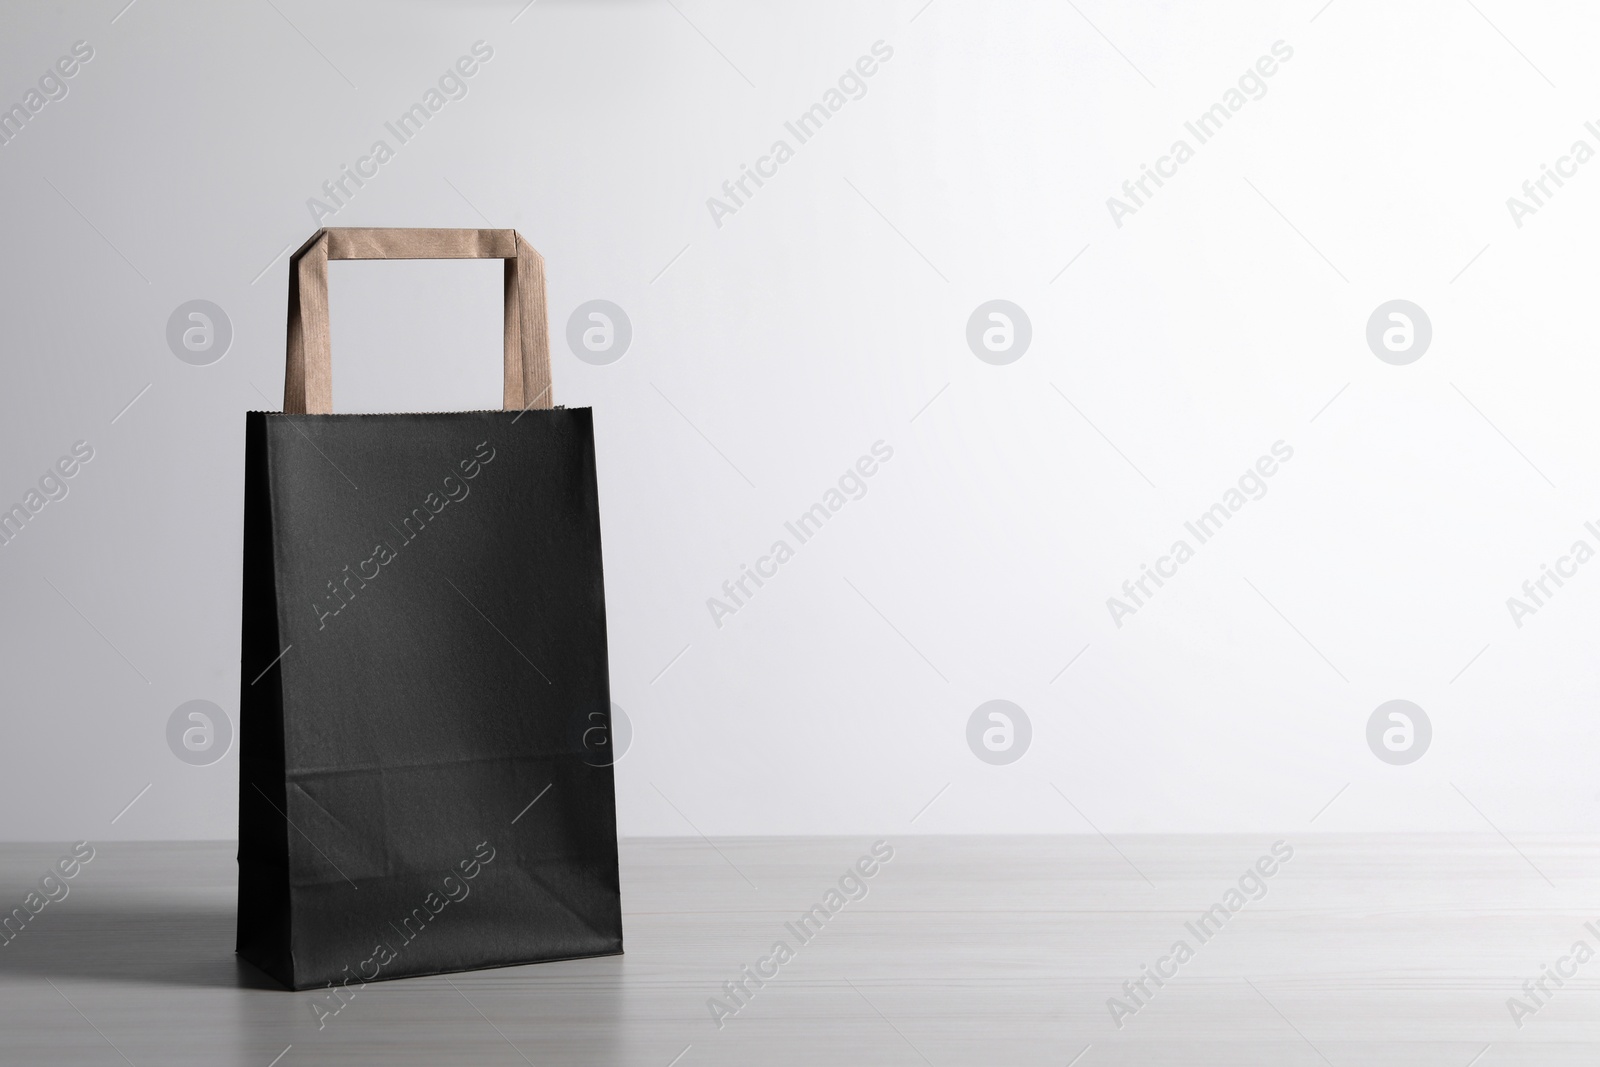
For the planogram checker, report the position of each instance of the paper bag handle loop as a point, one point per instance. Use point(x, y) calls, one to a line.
point(308, 370)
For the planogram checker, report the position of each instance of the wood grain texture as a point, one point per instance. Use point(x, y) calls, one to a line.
point(1362, 950)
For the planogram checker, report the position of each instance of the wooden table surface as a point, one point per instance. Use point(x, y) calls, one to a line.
point(1368, 950)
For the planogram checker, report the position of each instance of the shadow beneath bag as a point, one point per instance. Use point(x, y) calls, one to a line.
point(149, 943)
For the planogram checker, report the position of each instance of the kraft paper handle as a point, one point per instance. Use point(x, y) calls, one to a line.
point(308, 371)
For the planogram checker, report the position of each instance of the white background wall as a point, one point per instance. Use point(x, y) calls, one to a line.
point(827, 314)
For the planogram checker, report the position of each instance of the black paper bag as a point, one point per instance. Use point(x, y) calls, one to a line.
point(423, 662)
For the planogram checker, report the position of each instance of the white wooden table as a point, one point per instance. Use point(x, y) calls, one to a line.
point(1002, 950)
